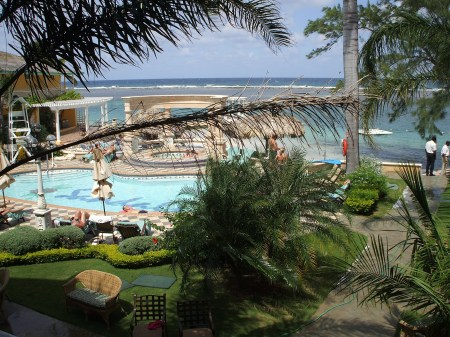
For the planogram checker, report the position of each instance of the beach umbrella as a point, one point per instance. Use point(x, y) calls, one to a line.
point(5, 180)
point(102, 188)
point(262, 125)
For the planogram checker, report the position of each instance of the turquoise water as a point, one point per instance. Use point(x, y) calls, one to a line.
point(73, 188)
point(403, 145)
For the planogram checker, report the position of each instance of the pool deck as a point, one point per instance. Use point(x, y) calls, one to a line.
point(118, 167)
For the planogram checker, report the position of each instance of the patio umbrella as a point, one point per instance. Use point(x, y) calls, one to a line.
point(5, 180)
point(102, 188)
point(263, 125)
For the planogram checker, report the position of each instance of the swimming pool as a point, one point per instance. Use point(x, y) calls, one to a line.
point(73, 188)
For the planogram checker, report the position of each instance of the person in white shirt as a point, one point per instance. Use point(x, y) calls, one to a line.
point(430, 150)
point(445, 152)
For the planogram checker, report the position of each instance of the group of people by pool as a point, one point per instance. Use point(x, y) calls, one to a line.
point(275, 152)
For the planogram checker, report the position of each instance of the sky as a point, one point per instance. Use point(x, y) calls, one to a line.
point(236, 53)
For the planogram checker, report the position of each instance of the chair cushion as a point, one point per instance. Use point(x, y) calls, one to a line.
point(198, 332)
point(142, 330)
point(89, 296)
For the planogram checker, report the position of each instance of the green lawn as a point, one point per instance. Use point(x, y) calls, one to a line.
point(248, 312)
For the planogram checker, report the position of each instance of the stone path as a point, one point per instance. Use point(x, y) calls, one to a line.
point(340, 315)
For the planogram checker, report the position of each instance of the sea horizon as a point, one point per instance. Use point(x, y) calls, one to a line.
point(404, 144)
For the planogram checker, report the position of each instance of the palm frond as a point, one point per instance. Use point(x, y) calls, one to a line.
point(411, 176)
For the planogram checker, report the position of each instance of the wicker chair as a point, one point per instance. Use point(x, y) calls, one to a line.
point(195, 319)
point(149, 316)
point(4, 279)
point(99, 293)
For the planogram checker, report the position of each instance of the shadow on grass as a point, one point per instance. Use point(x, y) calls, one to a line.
point(239, 309)
point(39, 287)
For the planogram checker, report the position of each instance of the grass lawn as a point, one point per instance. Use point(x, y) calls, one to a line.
point(246, 313)
point(385, 205)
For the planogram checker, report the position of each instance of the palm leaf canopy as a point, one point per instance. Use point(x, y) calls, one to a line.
point(263, 125)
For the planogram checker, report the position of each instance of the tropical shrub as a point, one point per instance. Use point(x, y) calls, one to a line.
point(70, 237)
point(361, 201)
point(52, 238)
point(246, 220)
point(138, 245)
point(108, 253)
point(21, 240)
point(369, 176)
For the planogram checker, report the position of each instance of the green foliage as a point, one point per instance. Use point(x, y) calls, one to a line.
point(369, 176)
point(20, 240)
point(112, 254)
point(330, 25)
point(109, 253)
point(70, 237)
point(138, 245)
point(361, 201)
point(243, 219)
point(407, 54)
point(69, 95)
point(49, 239)
point(26, 239)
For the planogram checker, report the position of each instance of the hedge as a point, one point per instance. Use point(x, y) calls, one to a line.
point(109, 253)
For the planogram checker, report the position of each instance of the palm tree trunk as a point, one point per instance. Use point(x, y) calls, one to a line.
point(350, 41)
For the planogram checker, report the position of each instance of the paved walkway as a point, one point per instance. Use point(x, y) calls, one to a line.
point(340, 315)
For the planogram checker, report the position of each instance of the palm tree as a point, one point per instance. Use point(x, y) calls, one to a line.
point(379, 274)
point(350, 46)
point(243, 219)
point(402, 58)
point(80, 38)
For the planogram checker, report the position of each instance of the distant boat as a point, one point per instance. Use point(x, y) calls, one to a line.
point(374, 132)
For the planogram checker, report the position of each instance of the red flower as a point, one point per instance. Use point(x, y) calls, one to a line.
point(155, 241)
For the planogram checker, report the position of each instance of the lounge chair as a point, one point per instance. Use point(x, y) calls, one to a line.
point(194, 319)
point(17, 214)
point(87, 157)
point(339, 195)
point(334, 173)
point(128, 230)
point(4, 219)
point(149, 316)
point(62, 222)
point(99, 225)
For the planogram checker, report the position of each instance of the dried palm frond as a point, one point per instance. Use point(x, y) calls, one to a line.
point(284, 115)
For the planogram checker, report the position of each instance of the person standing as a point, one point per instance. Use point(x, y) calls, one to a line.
point(273, 146)
point(430, 150)
point(445, 152)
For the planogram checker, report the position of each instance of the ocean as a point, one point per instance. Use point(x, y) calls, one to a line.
point(404, 144)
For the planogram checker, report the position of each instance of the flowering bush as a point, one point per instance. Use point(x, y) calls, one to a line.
point(368, 176)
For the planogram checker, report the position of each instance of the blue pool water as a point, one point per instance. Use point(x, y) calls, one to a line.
point(73, 188)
